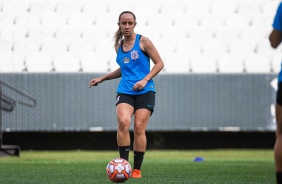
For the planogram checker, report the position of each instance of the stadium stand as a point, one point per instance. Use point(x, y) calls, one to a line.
point(195, 30)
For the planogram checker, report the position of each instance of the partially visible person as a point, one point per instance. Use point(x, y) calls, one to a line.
point(275, 39)
point(136, 90)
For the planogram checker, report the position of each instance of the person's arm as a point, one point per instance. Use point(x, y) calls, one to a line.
point(275, 38)
point(151, 50)
point(113, 75)
point(147, 46)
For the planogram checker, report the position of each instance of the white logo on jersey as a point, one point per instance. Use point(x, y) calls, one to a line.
point(126, 60)
point(134, 54)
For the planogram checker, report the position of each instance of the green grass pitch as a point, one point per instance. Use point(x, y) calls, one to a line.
point(159, 167)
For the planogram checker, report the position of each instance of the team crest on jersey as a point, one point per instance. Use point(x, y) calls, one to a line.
point(126, 60)
point(134, 54)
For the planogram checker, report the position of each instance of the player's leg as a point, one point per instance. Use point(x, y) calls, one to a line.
point(278, 144)
point(124, 113)
point(141, 120)
point(144, 107)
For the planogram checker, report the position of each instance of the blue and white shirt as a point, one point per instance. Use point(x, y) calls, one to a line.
point(134, 66)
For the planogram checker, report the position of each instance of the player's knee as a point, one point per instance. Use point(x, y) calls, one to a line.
point(139, 129)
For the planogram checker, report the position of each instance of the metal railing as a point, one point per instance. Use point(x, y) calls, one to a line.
point(8, 104)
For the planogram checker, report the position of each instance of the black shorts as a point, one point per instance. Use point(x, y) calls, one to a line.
point(143, 101)
point(279, 94)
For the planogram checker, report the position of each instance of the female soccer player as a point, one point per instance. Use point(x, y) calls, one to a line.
point(136, 91)
point(275, 38)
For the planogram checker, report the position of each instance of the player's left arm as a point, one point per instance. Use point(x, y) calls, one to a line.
point(275, 38)
point(147, 46)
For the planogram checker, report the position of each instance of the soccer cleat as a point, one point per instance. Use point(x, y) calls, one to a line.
point(136, 173)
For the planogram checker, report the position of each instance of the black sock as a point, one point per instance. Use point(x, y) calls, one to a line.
point(279, 177)
point(124, 152)
point(138, 159)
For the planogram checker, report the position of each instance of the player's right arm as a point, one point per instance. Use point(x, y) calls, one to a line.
point(113, 75)
point(275, 36)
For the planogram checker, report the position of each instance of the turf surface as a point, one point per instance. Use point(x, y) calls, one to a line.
point(160, 167)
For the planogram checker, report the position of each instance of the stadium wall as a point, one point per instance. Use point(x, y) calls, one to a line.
point(155, 140)
point(184, 102)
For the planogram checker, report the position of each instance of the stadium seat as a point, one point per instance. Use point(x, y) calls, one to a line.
point(169, 34)
point(276, 62)
point(81, 48)
point(176, 63)
point(41, 8)
point(27, 21)
point(6, 21)
point(238, 22)
point(115, 9)
point(67, 35)
point(40, 35)
point(159, 22)
point(258, 64)
point(104, 47)
point(200, 34)
point(192, 47)
point(11, 63)
point(226, 34)
point(146, 11)
point(94, 35)
point(240, 47)
point(224, 8)
point(25, 48)
point(66, 62)
point(53, 47)
point(6, 60)
point(95, 62)
point(269, 9)
point(80, 21)
point(215, 48)
point(14, 8)
point(112, 62)
point(165, 47)
point(68, 9)
point(39, 63)
point(203, 64)
point(260, 22)
point(249, 8)
point(228, 63)
point(254, 35)
point(197, 9)
point(53, 21)
point(191, 21)
point(14, 35)
point(207, 22)
point(93, 9)
point(172, 9)
point(105, 23)
point(263, 47)
point(5, 46)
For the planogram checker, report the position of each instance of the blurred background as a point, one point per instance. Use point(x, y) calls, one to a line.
point(217, 89)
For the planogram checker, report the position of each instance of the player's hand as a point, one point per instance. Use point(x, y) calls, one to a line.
point(139, 85)
point(95, 82)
